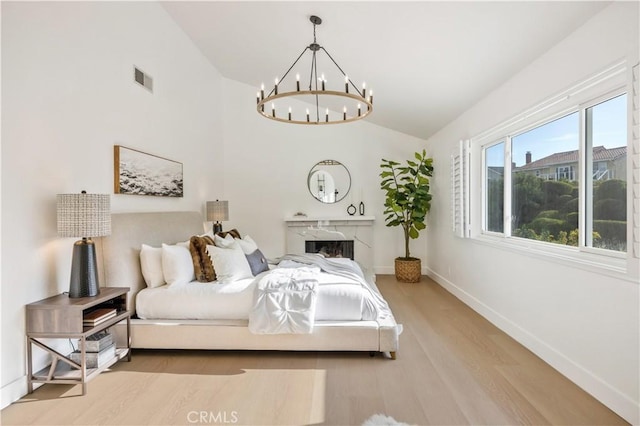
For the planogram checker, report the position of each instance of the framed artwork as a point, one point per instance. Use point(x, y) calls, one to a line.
point(139, 173)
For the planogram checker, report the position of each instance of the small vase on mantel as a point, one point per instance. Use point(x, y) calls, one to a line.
point(361, 208)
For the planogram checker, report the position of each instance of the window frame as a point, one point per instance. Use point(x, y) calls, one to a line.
point(585, 220)
point(485, 207)
point(603, 86)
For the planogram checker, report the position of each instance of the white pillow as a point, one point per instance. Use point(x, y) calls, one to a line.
point(177, 265)
point(225, 242)
point(151, 266)
point(230, 263)
point(246, 243)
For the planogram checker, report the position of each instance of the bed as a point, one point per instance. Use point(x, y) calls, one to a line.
point(153, 328)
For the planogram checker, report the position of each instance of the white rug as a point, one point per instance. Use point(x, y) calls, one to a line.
point(382, 420)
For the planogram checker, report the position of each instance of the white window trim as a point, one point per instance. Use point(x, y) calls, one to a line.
point(591, 91)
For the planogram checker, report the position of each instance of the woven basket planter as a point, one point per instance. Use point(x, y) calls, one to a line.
point(408, 270)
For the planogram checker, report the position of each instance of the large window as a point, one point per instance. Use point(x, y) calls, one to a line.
point(567, 180)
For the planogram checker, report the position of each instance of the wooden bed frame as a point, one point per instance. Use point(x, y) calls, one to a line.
point(120, 254)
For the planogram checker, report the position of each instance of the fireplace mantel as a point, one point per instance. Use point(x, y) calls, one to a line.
point(329, 220)
point(356, 228)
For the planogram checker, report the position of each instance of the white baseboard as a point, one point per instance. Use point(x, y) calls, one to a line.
point(384, 270)
point(617, 401)
point(13, 391)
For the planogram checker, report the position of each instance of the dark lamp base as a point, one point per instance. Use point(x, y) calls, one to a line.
point(84, 270)
point(217, 227)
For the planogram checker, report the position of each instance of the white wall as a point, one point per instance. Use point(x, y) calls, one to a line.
point(267, 164)
point(585, 324)
point(67, 97)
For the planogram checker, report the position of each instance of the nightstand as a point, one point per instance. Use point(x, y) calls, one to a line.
point(61, 317)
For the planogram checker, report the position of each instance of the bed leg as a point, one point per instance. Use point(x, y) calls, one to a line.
point(392, 354)
point(372, 354)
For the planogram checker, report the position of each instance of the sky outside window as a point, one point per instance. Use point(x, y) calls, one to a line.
point(562, 134)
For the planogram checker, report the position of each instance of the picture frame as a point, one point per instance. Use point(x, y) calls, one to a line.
point(140, 173)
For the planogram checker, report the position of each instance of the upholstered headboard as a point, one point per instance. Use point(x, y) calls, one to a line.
point(121, 250)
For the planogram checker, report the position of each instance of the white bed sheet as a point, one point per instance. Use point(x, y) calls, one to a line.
point(339, 298)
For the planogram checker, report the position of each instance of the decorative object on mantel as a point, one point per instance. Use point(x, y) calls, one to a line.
point(139, 173)
point(361, 208)
point(217, 211)
point(329, 181)
point(355, 103)
point(83, 215)
point(351, 209)
point(407, 202)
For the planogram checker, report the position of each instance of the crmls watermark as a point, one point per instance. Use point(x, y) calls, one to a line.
point(212, 417)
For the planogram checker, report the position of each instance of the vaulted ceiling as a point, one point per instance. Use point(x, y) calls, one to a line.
point(427, 61)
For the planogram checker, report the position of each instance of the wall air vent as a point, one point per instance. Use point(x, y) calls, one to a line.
point(143, 79)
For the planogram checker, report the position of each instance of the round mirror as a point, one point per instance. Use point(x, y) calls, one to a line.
point(329, 181)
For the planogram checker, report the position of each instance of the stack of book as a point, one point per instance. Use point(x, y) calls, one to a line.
point(99, 349)
point(98, 316)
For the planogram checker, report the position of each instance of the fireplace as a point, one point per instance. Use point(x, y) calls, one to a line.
point(310, 234)
point(330, 248)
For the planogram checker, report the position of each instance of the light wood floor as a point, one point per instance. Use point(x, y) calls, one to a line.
point(453, 367)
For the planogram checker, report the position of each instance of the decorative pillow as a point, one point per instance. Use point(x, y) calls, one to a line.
point(177, 265)
point(257, 262)
point(247, 244)
point(151, 265)
point(230, 263)
point(223, 242)
point(234, 233)
point(202, 265)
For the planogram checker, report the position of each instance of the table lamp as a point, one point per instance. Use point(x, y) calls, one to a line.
point(217, 211)
point(84, 215)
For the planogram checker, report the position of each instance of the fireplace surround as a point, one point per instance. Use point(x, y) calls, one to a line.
point(334, 234)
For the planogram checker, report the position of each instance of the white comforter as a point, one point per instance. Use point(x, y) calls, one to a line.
point(285, 301)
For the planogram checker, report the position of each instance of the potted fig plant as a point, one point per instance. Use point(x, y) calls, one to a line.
point(407, 202)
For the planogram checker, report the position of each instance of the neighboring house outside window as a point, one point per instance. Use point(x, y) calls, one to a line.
point(608, 163)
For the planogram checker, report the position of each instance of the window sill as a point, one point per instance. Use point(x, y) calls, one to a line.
point(614, 265)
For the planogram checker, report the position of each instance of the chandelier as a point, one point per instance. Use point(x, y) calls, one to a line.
point(327, 105)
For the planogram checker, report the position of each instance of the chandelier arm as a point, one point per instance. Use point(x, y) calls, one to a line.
point(343, 73)
point(311, 73)
point(290, 68)
point(314, 70)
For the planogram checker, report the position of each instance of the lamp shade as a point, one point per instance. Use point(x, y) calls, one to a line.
point(84, 215)
point(217, 211)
